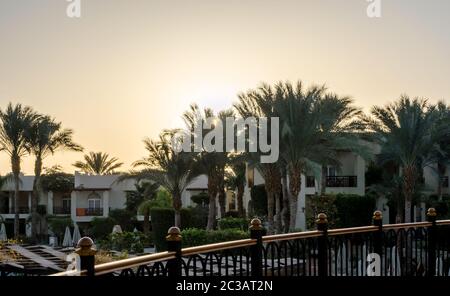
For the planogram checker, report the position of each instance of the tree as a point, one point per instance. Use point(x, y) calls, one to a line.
point(164, 165)
point(98, 163)
point(409, 135)
point(341, 125)
point(15, 121)
point(147, 193)
point(211, 163)
point(261, 103)
point(44, 137)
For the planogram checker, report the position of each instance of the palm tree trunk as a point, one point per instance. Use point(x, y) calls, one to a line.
point(270, 208)
point(240, 200)
point(212, 192)
point(323, 180)
point(409, 179)
point(177, 208)
point(285, 213)
point(278, 227)
point(15, 163)
point(295, 183)
point(147, 221)
point(35, 198)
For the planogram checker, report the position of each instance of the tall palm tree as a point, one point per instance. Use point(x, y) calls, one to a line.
point(98, 163)
point(44, 138)
point(409, 135)
point(143, 196)
point(15, 121)
point(171, 169)
point(341, 126)
point(261, 103)
point(211, 163)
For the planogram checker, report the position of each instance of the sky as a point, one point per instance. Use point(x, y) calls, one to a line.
point(126, 69)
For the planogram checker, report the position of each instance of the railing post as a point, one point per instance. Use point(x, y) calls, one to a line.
point(256, 232)
point(173, 239)
point(87, 255)
point(378, 235)
point(322, 225)
point(432, 235)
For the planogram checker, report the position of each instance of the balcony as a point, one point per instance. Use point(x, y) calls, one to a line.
point(89, 212)
point(61, 211)
point(342, 181)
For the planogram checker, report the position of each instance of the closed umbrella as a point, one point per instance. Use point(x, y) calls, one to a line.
point(67, 242)
point(76, 235)
point(3, 236)
point(117, 229)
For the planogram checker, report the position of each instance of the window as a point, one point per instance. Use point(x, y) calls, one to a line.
point(94, 201)
point(331, 171)
point(66, 202)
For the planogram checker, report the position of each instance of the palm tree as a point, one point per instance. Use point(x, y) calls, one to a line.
point(409, 134)
point(43, 138)
point(211, 163)
point(15, 121)
point(142, 199)
point(171, 169)
point(261, 103)
point(98, 163)
point(341, 126)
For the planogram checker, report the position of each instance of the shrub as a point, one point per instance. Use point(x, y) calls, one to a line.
point(162, 220)
point(195, 237)
point(354, 210)
point(129, 242)
point(124, 218)
point(232, 213)
point(234, 223)
point(58, 224)
point(101, 227)
point(343, 210)
point(198, 218)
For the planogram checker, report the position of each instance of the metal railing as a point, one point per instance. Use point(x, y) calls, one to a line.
point(61, 211)
point(89, 212)
point(342, 181)
point(408, 249)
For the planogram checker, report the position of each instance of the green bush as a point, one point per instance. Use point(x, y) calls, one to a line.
point(234, 223)
point(162, 220)
point(194, 217)
point(130, 242)
point(343, 210)
point(101, 227)
point(196, 237)
point(58, 224)
point(354, 210)
point(126, 219)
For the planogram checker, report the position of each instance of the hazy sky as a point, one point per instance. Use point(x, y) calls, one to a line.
point(128, 68)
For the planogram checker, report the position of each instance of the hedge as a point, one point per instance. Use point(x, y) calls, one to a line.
point(196, 237)
point(234, 223)
point(343, 210)
point(101, 227)
point(162, 220)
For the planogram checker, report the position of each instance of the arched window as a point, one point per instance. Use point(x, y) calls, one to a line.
point(94, 201)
